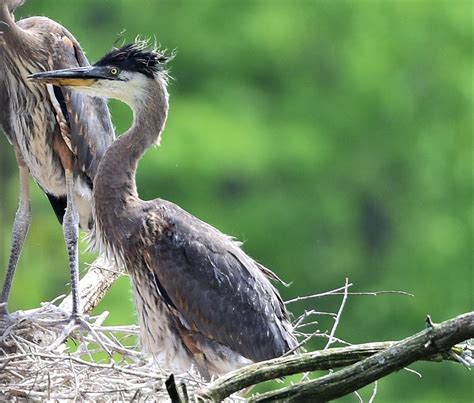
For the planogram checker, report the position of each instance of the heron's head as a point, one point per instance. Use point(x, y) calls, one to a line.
point(123, 73)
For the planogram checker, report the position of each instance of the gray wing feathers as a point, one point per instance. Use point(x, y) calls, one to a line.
point(218, 290)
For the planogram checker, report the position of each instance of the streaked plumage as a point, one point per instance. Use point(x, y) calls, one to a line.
point(200, 299)
point(47, 125)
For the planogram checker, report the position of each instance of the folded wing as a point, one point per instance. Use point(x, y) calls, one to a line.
point(218, 290)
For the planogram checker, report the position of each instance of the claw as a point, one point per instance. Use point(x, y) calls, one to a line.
point(6, 320)
point(3, 309)
point(6, 324)
point(75, 322)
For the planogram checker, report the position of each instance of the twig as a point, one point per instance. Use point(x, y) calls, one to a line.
point(338, 316)
point(374, 393)
point(323, 294)
point(413, 372)
point(340, 291)
point(375, 293)
point(359, 397)
point(301, 344)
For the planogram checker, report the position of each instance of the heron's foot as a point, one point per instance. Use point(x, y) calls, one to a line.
point(7, 322)
point(3, 309)
point(84, 324)
point(6, 319)
point(80, 323)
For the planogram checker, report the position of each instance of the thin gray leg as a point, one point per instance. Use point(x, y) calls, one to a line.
point(71, 235)
point(20, 229)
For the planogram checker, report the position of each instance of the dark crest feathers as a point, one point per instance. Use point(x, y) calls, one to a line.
point(136, 57)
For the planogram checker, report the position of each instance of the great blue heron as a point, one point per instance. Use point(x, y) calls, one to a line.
point(58, 136)
point(201, 300)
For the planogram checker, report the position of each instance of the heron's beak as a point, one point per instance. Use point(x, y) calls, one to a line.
point(75, 77)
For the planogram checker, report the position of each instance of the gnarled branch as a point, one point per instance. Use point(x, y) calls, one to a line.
point(369, 362)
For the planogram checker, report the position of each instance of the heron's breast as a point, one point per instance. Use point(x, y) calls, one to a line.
point(157, 333)
point(35, 144)
point(33, 122)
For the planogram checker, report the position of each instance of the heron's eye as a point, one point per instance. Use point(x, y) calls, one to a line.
point(114, 71)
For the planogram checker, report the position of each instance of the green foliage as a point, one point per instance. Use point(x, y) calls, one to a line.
point(335, 138)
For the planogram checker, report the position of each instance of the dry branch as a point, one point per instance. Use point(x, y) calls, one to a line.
point(434, 343)
point(435, 340)
point(94, 285)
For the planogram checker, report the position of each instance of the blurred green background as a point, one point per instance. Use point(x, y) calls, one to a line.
point(333, 137)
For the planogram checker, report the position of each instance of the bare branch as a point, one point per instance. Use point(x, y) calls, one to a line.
point(94, 285)
point(436, 339)
point(379, 359)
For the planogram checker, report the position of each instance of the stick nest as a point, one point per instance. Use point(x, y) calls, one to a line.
point(45, 356)
point(97, 362)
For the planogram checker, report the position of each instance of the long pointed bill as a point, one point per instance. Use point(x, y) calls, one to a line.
point(75, 77)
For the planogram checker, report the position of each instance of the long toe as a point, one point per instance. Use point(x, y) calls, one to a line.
point(6, 319)
point(6, 322)
point(80, 323)
point(3, 309)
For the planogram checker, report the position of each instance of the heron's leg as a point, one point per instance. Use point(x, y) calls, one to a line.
point(70, 222)
point(20, 229)
point(71, 236)
point(71, 215)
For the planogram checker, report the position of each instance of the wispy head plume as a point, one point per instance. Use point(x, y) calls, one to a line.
point(139, 57)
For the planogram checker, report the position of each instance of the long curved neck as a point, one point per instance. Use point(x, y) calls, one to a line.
point(115, 182)
point(6, 18)
point(17, 41)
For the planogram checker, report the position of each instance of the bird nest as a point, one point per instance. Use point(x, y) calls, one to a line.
point(97, 362)
point(44, 356)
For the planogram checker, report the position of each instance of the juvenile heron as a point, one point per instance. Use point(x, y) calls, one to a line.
point(58, 136)
point(200, 299)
